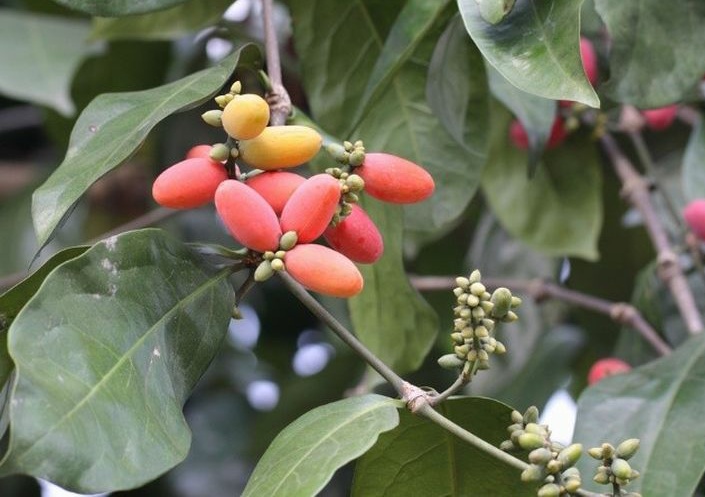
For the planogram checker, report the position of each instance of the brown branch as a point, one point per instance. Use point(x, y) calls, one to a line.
point(277, 96)
point(538, 290)
point(636, 190)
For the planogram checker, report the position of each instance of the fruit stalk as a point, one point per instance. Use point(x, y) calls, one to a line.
point(277, 97)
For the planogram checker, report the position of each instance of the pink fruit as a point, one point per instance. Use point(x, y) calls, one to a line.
point(202, 151)
point(311, 207)
point(276, 187)
point(356, 237)
point(589, 58)
point(694, 215)
point(396, 180)
point(247, 216)
point(609, 366)
point(189, 183)
point(520, 139)
point(323, 270)
point(661, 118)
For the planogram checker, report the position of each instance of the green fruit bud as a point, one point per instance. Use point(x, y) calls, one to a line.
point(457, 338)
point(510, 317)
point(506, 446)
point(595, 453)
point(234, 153)
point(502, 300)
point(450, 361)
point(621, 468)
point(220, 100)
point(338, 153)
point(219, 152)
point(461, 350)
point(477, 288)
point(235, 312)
point(516, 302)
point(475, 276)
point(457, 291)
point(487, 306)
point(553, 466)
point(515, 427)
point(467, 333)
point(540, 456)
point(288, 240)
point(486, 296)
point(277, 264)
point(514, 436)
point(264, 271)
point(482, 355)
point(346, 209)
point(213, 118)
point(572, 486)
point(472, 301)
point(628, 448)
point(462, 298)
point(489, 324)
point(635, 474)
point(355, 183)
point(549, 490)
point(236, 88)
point(359, 144)
point(530, 441)
point(499, 348)
point(268, 255)
point(462, 282)
point(472, 355)
point(601, 478)
point(571, 472)
point(517, 417)
point(280, 254)
point(536, 428)
point(481, 332)
point(607, 450)
point(465, 313)
point(532, 473)
point(477, 313)
point(357, 157)
point(460, 324)
point(351, 198)
point(228, 97)
point(483, 365)
point(531, 415)
point(570, 455)
point(348, 146)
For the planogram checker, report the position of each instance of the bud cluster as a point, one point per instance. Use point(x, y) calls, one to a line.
point(477, 314)
point(550, 462)
point(614, 469)
point(351, 185)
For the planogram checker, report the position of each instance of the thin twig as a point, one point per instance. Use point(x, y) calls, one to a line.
point(277, 97)
point(635, 189)
point(538, 289)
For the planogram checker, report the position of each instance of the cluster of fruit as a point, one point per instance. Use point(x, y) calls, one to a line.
point(279, 214)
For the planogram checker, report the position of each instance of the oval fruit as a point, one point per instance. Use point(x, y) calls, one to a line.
point(323, 270)
point(603, 368)
point(279, 147)
point(247, 216)
point(202, 151)
point(393, 179)
point(245, 116)
point(311, 207)
point(661, 118)
point(694, 215)
point(356, 237)
point(276, 187)
point(189, 183)
point(589, 58)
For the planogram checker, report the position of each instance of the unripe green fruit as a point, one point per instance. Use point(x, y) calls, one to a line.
point(628, 448)
point(245, 116)
point(288, 240)
point(621, 469)
point(264, 271)
point(570, 455)
point(502, 300)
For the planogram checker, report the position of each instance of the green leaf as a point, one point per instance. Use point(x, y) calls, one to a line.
point(535, 47)
point(660, 403)
point(493, 11)
point(419, 457)
point(111, 128)
point(656, 49)
point(303, 457)
point(106, 353)
point(693, 176)
point(41, 68)
point(164, 25)
point(118, 8)
point(456, 88)
point(559, 211)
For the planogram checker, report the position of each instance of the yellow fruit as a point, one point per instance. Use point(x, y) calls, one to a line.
point(245, 116)
point(280, 147)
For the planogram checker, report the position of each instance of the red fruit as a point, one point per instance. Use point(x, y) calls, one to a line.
point(661, 118)
point(520, 139)
point(248, 217)
point(396, 180)
point(311, 207)
point(276, 187)
point(607, 367)
point(323, 270)
point(356, 237)
point(189, 183)
point(202, 151)
point(589, 58)
point(694, 215)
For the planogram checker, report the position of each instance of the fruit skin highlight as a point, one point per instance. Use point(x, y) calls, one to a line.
point(323, 270)
point(247, 216)
point(603, 368)
point(694, 215)
point(245, 116)
point(311, 207)
point(276, 187)
point(356, 237)
point(189, 183)
point(394, 179)
point(279, 147)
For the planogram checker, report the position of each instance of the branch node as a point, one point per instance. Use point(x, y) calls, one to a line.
point(414, 397)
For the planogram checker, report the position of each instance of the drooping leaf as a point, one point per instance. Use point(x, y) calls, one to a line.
point(656, 49)
point(105, 354)
point(38, 68)
point(693, 176)
point(661, 403)
point(304, 456)
point(535, 47)
point(559, 211)
point(419, 457)
point(163, 25)
point(118, 8)
point(111, 128)
point(456, 88)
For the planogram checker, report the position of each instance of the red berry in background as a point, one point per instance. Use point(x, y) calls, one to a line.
point(661, 118)
point(589, 58)
point(694, 215)
point(276, 187)
point(393, 179)
point(356, 237)
point(520, 139)
point(603, 368)
point(323, 270)
point(189, 183)
point(311, 207)
point(247, 216)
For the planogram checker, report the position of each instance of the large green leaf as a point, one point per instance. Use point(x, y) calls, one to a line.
point(111, 128)
point(419, 457)
point(662, 404)
point(656, 49)
point(304, 456)
point(117, 8)
point(164, 25)
point(559, 211)
point(535, 47)
point(105, 354)
point(38, 67)
point(693, 176)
